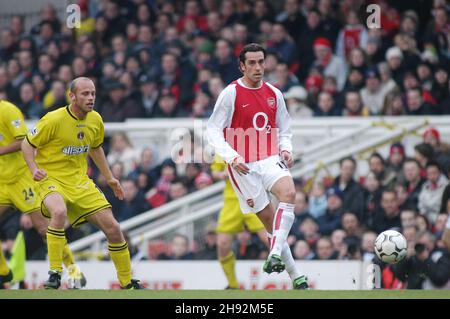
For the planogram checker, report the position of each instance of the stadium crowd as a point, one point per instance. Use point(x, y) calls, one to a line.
point(166, 59)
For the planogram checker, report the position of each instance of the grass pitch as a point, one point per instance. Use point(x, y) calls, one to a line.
point(224, 294)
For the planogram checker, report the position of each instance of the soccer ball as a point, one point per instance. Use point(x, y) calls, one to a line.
point(390, 246)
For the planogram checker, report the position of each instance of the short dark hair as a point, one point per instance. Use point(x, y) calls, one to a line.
point(378, 155)
point(425, 150)
point(347, 158)
point(433, 163)
point(252, 47)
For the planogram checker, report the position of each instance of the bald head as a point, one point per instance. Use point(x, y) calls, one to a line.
point(74, 85)
point(82, 96)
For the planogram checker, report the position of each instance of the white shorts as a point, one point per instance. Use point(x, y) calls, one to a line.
point(256, 184)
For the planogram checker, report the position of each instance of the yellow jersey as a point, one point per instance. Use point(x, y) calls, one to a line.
point(12, 127)
point(219, 165)
point(63, 142)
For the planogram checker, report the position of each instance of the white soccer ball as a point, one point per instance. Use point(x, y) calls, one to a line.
point(391, 246)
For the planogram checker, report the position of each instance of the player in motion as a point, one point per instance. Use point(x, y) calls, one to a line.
point(250, 130)
point(18, 190)
point(63, 139)
point(231, 222)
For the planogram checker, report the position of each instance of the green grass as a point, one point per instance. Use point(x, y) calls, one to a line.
point(224, 294)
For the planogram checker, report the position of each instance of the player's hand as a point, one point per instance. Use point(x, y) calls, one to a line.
point(116, 187)
point(39, 174)
point(238, 164)
point(287, 158)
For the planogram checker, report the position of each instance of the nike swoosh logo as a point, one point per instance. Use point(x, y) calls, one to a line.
point(245, 105)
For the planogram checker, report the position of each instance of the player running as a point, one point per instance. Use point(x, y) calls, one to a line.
point(250, 130)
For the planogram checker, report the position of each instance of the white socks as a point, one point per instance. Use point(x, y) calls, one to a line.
point(282, 223)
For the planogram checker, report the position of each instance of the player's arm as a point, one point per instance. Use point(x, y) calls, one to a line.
point(15, 125)
point(220, 119)
point(283, 121)
point(12, 147)
point(99, 158)
point(29, 154)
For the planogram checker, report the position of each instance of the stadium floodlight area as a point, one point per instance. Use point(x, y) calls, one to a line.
point(357, 136)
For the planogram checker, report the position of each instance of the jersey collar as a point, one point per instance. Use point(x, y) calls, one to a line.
point(71, 114)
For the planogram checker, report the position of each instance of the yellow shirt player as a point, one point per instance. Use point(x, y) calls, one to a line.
point(231, 221)
point(63, 140)
point(18, 190)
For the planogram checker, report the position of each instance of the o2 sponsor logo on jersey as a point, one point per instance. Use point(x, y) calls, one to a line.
point(75, 150)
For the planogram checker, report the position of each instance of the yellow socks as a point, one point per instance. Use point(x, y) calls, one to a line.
point(67, 256)
point(4, 270)
point(228, 265)
point(56, 239)
point(120, 256)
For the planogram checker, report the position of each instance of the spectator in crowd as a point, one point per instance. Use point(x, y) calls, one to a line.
point(353, 105)
point(134, 201)
point(351, 224)
point(441, 150)
point(301, 212)
point(423, 153)
point(317, 200)
point(296, 98)
point(328, 63)
point(394, 105)
point(389, 215)
point(179, 249)
point(331, 220)
point(377, 165)
point(429, 268)
point(29, 106)
point(308, 231)
point(177, 189)
point(326, 105)
point(209, 250)
point(395, 161)
point(117, 108)
point(374, 94)
point(353, 193)
point(122, 150)
point(414, 182)
point(430, 196)
point(337, 238)
point(302, 251)
point(408, 218)
point(324, 249)
point(352, 35)
point(372, 197)
point(249, 246)
point(368, 245)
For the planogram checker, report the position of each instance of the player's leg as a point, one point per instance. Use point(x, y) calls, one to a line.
point(284, 190)
point(227, 259)
point(117, 246)
point(274, 262)
point(76, 276)
point(5, 272)
point(40, 223)
point(230, 222)
point(56, 237)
